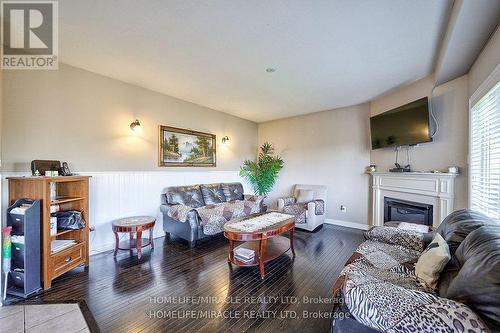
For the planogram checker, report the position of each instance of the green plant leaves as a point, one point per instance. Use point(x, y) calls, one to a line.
point(262, 175)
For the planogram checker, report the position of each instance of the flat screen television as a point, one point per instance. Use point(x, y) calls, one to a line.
point(404, 125)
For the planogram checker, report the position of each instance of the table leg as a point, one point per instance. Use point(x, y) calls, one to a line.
point(131, 238)
point(291, 242)
point(117, 241)
point(138, 243)
point(151, 239)
point(262, 253)
point(231, 251)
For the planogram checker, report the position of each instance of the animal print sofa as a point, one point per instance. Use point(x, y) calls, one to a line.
point(197, 211)
point(378, 290)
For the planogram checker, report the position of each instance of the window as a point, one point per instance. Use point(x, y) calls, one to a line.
point(484, 163)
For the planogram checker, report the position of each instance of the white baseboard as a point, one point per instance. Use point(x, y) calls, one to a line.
point(111, 246)
point(348, 224)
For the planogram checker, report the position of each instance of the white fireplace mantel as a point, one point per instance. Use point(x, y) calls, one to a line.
point(436, 189)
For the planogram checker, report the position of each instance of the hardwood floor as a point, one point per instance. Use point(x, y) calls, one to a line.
point(176, 289)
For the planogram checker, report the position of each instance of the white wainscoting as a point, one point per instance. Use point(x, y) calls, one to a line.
point(120, 194)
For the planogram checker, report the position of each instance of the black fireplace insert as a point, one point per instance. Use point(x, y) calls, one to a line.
point(407, 211)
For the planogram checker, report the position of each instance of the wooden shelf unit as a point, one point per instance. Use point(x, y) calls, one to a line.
point(72, 194)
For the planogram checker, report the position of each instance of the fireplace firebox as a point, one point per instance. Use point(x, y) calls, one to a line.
point(407, 211)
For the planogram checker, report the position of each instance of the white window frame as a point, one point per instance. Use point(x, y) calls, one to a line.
point(481, 91)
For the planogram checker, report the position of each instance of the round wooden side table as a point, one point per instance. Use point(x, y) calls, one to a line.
point(131, 225)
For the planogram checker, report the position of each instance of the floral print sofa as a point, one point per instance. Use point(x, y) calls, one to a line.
point(379, 291)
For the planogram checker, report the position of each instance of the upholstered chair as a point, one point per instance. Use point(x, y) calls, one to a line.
point(308, 204)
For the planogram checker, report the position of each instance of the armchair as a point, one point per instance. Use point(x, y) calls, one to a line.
point(309, 214)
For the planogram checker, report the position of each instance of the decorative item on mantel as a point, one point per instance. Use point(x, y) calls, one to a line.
point(371, 168)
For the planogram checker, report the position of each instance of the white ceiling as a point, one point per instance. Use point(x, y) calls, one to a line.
point(327, 54)
point(470, 26)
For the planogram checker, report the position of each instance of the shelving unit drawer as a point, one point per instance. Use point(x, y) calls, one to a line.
point(68, 259)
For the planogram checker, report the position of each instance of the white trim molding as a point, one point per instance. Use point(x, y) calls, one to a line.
point(482, 90)
point(486, 86)
point(348, 224)
point(436, 189)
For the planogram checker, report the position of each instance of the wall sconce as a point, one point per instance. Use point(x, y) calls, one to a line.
point(225, 140)
point(135, 126)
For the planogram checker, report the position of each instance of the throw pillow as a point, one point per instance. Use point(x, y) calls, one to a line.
point(432, 261)
point(305, 196)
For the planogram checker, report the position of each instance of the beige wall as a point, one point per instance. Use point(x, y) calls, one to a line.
point(327, 148)
point(1, 114)
point(450, 145)
point(77, 116)
point(487, 61)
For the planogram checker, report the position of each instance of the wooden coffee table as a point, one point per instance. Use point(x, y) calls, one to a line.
point(131, 225)
point(267, 242)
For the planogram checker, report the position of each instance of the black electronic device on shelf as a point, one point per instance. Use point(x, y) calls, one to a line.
point(24, 218)
point(400, 168)
point(40, 167)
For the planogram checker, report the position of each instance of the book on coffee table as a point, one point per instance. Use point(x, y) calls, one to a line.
point(244, 253)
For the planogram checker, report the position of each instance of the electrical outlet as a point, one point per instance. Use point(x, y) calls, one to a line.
point(343, 208)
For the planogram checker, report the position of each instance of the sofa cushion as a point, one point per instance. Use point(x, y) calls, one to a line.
point(298, 210)
point(409, 239)
point(212, 194)
point(362, 271)
point(304, 196)
point(288, 200)
point(478, 281)
point(232, 191)
point(320, 191)
point(456, 226)
point(385, 256)
point(392, 301)
point(213, 217)
point(432, 261)
point(185, 195)
point(413, 227)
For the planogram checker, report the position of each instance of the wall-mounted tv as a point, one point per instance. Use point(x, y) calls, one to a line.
point(404, 125)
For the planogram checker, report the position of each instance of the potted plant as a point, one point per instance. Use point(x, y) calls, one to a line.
point(262, 174)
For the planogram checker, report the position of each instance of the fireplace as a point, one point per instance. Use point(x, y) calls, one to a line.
point(436, 189)
point(407, 211)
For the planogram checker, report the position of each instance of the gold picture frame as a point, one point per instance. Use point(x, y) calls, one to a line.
point(179, 147)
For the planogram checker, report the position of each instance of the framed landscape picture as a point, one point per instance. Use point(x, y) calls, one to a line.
point(182, 147)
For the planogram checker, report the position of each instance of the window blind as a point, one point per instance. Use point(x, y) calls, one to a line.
point(484, 152)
